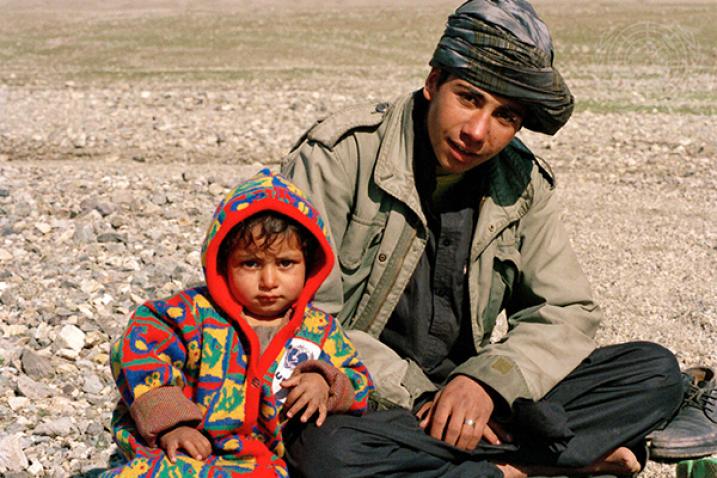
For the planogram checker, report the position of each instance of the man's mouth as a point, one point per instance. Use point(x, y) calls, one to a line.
point(461, 151)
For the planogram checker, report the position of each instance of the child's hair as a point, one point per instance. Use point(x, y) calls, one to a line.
point(273, 227)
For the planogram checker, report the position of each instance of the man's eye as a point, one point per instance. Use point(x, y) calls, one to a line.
point(508, 117)
point(466, 98)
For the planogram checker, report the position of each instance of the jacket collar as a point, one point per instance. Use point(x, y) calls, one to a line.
point(394, 166)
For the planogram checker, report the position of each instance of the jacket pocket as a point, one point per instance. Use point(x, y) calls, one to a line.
point(506, 267)
point(507, 261)
point(360, 237)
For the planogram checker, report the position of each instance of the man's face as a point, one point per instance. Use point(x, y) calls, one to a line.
point(467, 125)
point(267, 281)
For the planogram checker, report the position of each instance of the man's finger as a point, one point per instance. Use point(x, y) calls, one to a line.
point(423, 410)
point(455, 427)
point(431, 408)
point(439, 420)
point(490, 436)
point(470, 435)
point(500, 431)
point(429, 416)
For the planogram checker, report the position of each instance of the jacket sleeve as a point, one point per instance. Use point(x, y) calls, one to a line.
point(348, 378)
point(148, 363)
point(552, 317)
point(319, 172)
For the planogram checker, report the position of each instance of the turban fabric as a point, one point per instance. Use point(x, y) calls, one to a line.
point(503, 47)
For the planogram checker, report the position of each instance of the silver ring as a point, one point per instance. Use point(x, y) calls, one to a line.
point(469, 422)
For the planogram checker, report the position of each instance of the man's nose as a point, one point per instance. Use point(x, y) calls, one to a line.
point(267, 278)
point(476, 128)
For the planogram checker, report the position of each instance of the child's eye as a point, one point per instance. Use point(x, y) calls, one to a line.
point(286, 263)
point(250, 264)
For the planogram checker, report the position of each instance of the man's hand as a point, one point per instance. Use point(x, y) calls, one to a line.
point(310, 392)
point(188, 439)
point(459, 414)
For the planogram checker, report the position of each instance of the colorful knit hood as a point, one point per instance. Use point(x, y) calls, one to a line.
point(263, 192)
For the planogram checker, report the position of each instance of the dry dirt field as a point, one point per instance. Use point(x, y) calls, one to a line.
point(122, 125)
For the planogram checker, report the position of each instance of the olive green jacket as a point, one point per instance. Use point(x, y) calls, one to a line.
point(357, 166)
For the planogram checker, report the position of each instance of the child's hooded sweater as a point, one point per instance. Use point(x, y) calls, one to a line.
point(193, 359)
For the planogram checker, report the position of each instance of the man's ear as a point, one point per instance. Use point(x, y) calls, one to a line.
point(431, 85)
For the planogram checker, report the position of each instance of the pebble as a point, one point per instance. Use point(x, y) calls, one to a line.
point(62, 426)
point(92, 384)
point(5, 255)
point(16, 403)
point(32, 389)
point(12, 456)
point(43, 227)
point(35, 365)
point(70, 337)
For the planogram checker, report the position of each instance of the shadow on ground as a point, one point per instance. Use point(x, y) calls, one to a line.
point(115, 459)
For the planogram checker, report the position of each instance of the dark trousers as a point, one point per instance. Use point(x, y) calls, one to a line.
point(614, 398)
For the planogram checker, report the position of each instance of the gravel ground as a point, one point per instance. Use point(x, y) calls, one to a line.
point(106, 191)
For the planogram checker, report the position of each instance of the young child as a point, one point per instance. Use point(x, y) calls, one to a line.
point(209, 375)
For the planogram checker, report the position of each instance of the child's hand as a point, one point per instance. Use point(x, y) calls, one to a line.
point(310, 390)
point(188, 439)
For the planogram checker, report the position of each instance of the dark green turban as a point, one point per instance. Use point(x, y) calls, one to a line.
point(503, 47)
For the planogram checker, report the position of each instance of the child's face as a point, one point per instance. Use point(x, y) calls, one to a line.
point(267, 282)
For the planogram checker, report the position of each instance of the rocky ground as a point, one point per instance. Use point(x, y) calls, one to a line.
point(106, 189)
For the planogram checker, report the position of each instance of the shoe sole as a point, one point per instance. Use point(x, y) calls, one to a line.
point(681, 453)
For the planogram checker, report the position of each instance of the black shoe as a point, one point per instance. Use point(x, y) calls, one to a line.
point(692, 433)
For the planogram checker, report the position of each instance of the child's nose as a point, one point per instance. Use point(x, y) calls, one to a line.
point(268, 277)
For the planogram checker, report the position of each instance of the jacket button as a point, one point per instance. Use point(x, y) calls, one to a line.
point(255, 382)
point(382, 257)
point(491, 228)
point(381, 107)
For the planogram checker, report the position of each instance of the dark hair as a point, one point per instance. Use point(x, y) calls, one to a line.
point(443, 76)
point(273, 227)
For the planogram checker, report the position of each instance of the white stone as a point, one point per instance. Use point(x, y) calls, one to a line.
point(5, 255)
point(17, 403)
point(68, 354)
point(35, 469)
point(62, 426)
point(43, 227)
point(32, 389)
point(216, 189)
point(71, 337)
point(92, 384)
point(14, 330)
point(11, 455)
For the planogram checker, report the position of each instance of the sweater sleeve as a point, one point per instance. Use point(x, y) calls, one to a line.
point(348, 378)
point(150, 362)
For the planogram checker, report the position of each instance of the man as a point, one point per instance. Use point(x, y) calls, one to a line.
point(442, 219)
